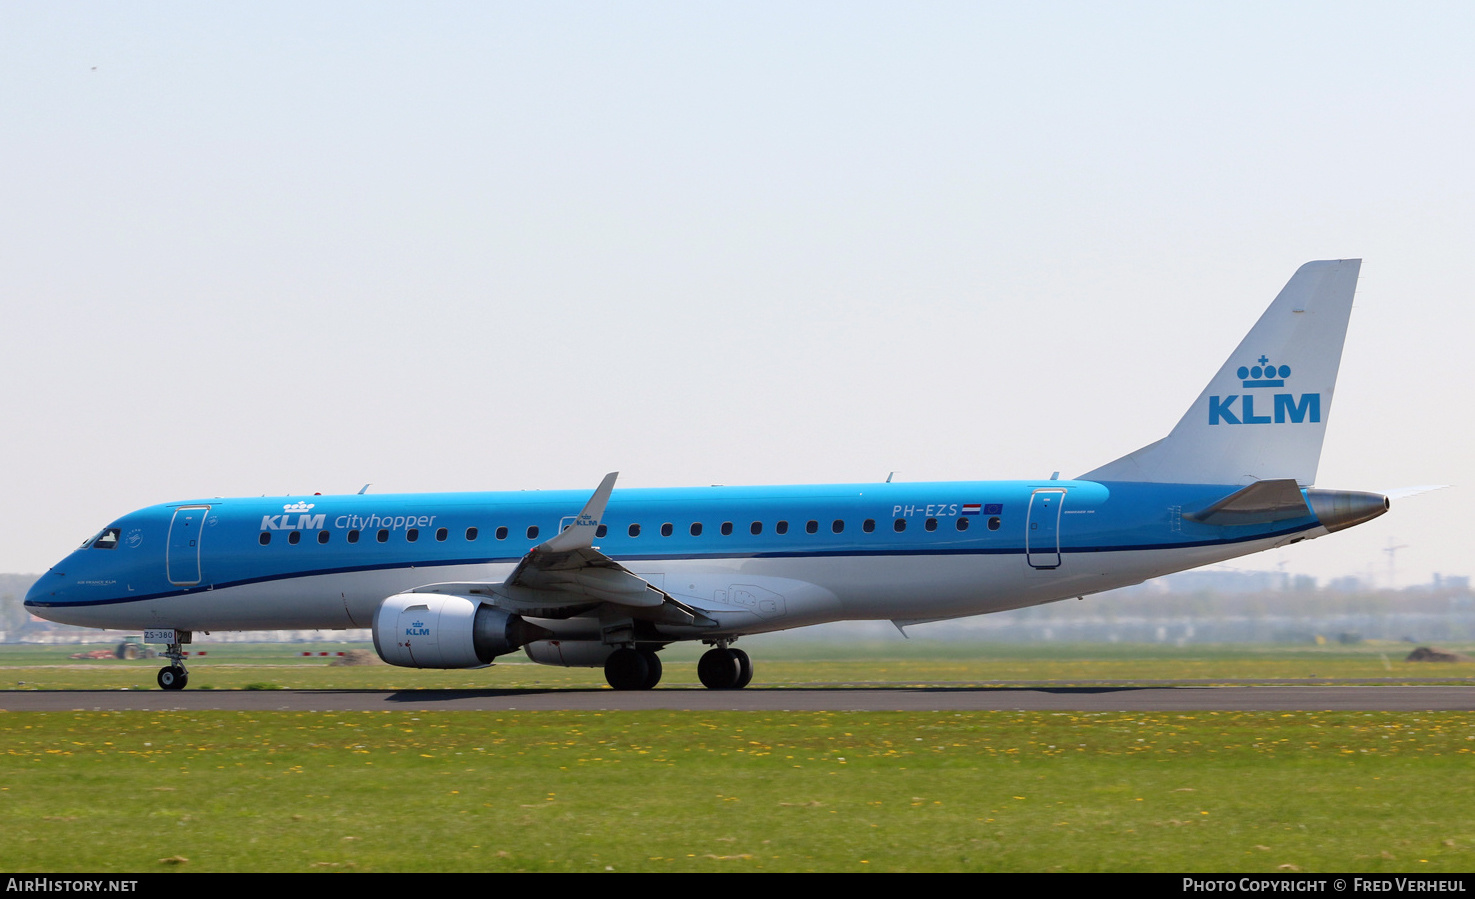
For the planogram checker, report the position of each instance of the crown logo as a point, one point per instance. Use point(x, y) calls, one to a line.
point(297, 507)
point(1263, 374)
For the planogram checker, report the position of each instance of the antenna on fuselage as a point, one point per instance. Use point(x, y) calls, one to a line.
point(890, 476)
point(364, 489)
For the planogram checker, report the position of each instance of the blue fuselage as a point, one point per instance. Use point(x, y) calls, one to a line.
point(901, 551)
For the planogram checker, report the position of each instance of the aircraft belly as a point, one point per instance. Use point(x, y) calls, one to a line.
point(919, 586)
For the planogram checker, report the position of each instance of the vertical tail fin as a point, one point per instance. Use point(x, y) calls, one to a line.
point(1264, 415)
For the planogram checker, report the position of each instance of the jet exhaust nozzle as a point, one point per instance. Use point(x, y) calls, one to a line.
point(1339, 509)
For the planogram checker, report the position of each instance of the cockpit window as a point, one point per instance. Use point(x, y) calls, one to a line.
point(108, 539)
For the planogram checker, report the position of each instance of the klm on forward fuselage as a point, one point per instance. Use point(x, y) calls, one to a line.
point(610, 579)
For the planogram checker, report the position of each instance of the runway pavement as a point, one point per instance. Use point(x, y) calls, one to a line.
point(1113, 697)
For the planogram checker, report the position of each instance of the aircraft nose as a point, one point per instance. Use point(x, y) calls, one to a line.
point(49, 589)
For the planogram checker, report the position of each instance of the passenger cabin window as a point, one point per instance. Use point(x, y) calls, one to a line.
point(601, 531)
point(108, 539)
point(993, 523)
point(962, 523)
point(781, 528)
point(727, 529)
point(382, 536)
point(869, 525)
point(811, 527)
point(471, 533)
point(441, 534)
point(667, 529)
point(501, 533)
point(532, 532)
point(322, 536)
point(755, 528)
point(696, 529)
point(837, 526)
point(265, 538)
point(931, 524)
point(899, 525)
point(353, 536)
point(294, 538)
point(412, 534)
point(634, 530)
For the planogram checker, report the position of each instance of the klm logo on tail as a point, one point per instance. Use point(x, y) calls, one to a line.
point(1288, 407)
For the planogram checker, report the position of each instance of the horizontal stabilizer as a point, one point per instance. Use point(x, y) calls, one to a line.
point(1262, 502)
point(1406, 492)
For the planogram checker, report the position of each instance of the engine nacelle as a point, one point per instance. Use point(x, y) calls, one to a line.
point(431, 630)
point(569, 653)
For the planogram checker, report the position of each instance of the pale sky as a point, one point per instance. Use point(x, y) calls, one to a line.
point(284, 248)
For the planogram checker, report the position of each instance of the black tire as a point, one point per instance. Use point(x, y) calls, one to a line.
point(718, 669)
point(653, 669)
point(745, 669)
point(173, 678)
point(626, 669)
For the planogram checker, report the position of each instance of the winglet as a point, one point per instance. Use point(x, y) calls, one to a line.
point(580, 535)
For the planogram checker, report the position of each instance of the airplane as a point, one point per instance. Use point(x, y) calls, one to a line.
point(457, 580)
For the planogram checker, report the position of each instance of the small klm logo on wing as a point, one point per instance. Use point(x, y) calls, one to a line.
point(1288, 406)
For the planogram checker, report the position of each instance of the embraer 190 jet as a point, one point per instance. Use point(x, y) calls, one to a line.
point(454, 580)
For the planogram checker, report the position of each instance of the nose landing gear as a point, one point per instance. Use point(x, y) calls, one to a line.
point(174, 676)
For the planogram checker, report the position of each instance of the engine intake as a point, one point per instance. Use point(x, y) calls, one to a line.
point(431, 630)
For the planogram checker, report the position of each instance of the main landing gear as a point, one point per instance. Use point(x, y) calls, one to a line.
point(173, 676)
point(720, 668)
point(632, 669)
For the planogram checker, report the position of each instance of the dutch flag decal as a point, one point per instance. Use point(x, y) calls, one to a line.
point(972, 508)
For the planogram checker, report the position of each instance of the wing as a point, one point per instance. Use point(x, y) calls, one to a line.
point(567, 575)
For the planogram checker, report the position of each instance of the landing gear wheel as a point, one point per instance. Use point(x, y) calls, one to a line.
point(632, 669)
point(745, 669)
point(719, 669)
point(653, 669)
point(173, 678)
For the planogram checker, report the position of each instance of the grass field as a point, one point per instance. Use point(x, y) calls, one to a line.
point(777, 663)
point(672, 791)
